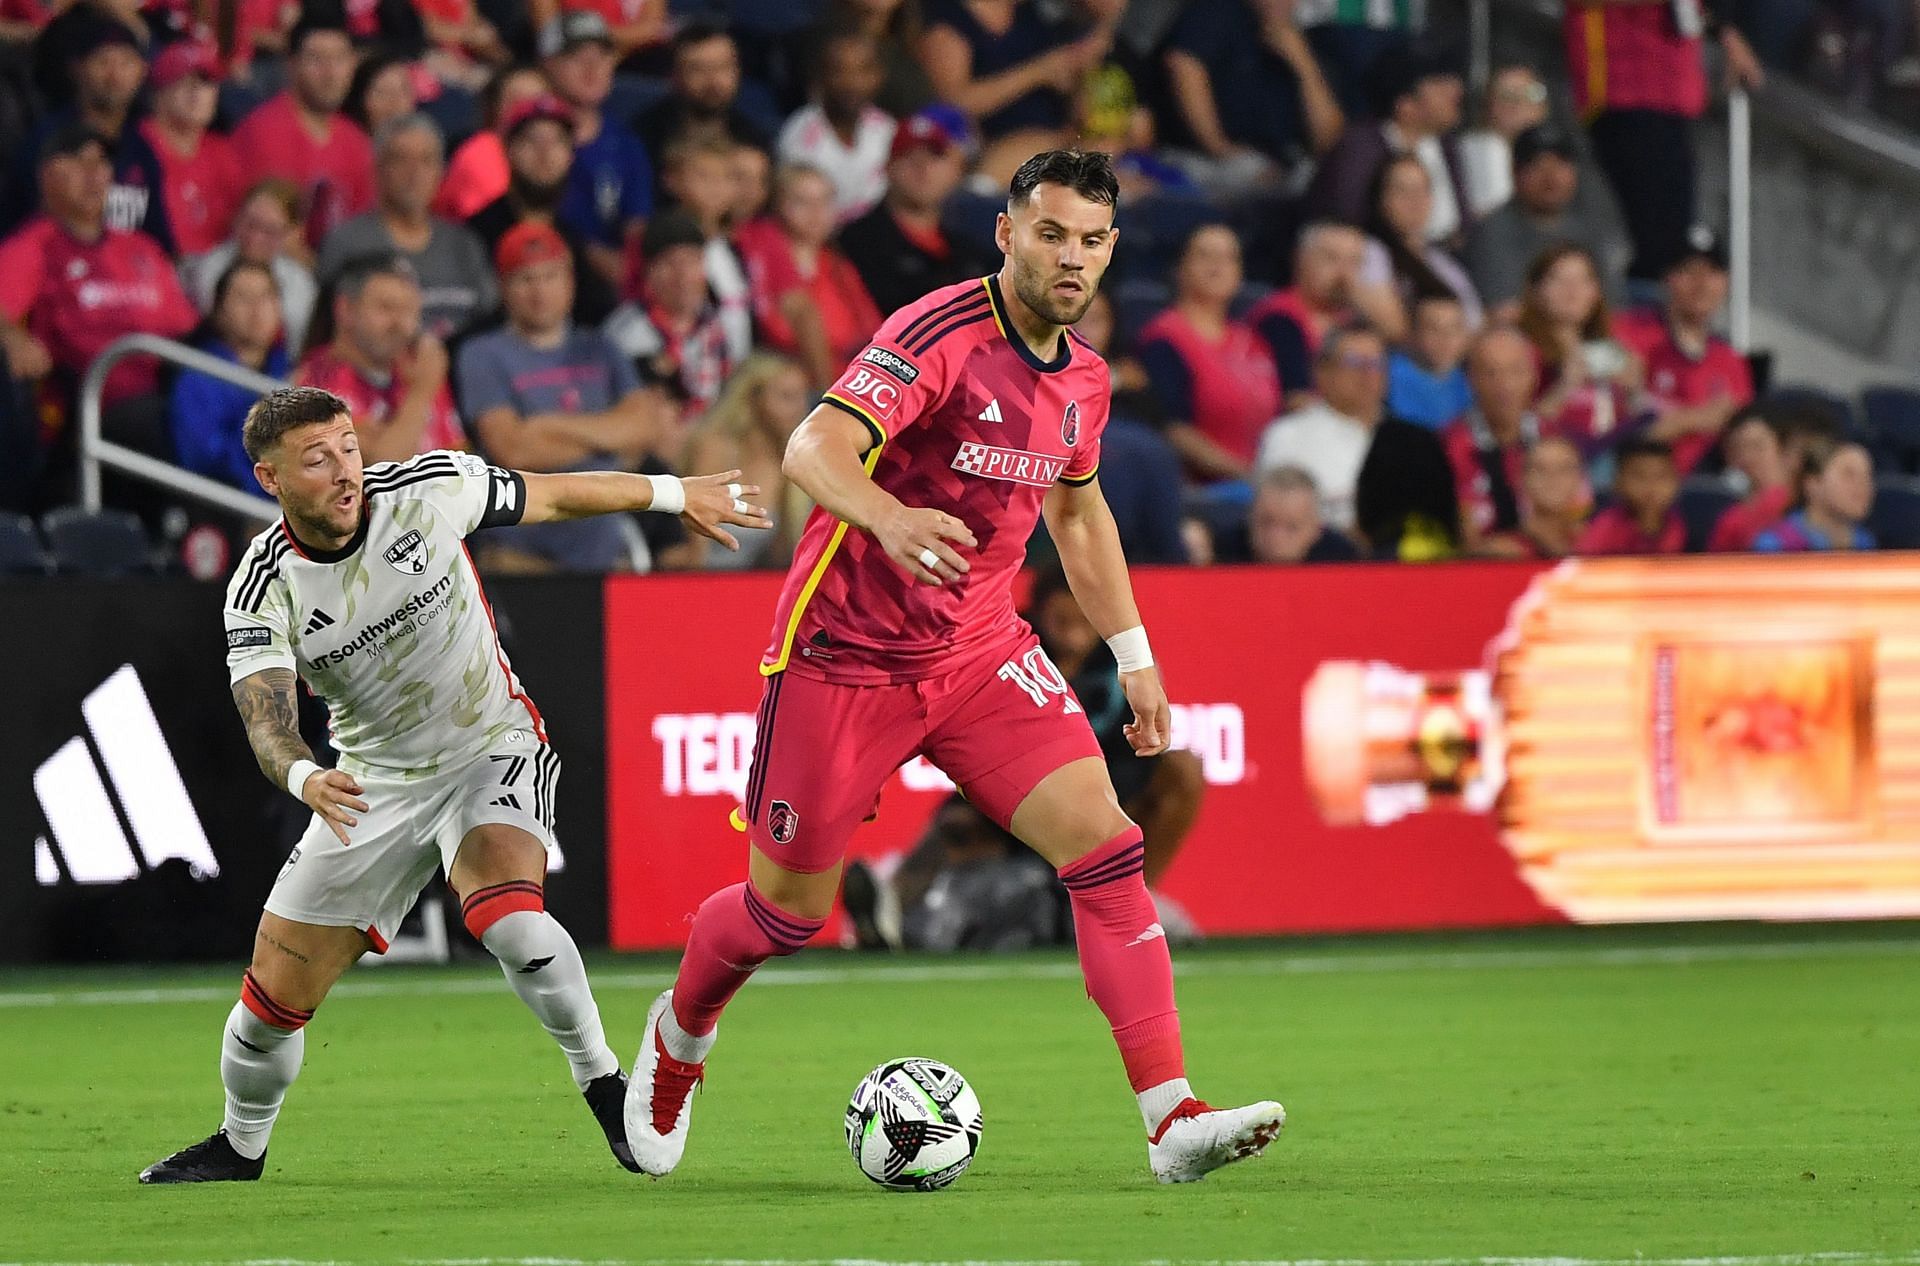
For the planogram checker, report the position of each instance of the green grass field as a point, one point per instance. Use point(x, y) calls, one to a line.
point(1746, 1095)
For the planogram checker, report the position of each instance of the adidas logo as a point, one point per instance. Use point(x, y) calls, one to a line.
point(1154, 932)
point(992, 412)
point(87, 841)
point(508, 801)
point(319, 621)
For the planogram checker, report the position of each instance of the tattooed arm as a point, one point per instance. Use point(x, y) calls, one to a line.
point(267, 707)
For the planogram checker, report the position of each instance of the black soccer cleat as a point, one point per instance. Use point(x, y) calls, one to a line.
point(607, 1097)
point(210, 1160)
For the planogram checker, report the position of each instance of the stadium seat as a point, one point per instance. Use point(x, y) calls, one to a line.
point(969, 217)
point(1702, 502)
point(1136, 301)
point(1895, 518)
point(20, 549)
point(1893, 418)
point(1155, 228)
point(100, 543)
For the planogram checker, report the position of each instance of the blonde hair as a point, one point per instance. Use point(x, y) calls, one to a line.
point(735, 414)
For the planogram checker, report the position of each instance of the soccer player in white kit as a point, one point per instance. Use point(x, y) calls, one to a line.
point(364, 588)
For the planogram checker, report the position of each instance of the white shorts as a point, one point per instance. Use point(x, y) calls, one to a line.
point(410, 829)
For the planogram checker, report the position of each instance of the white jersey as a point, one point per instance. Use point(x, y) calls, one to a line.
point(392, 631)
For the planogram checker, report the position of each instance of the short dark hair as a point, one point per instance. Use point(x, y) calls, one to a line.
point(278, 412)
point(315, 18)
point(358, 271)
point(699, 31)
point(1088, 173)
point(1641, 446)
point(1336, 338)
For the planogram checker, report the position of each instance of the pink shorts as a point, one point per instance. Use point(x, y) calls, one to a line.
point(996, 725)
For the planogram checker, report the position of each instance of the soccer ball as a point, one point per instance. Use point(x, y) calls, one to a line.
point(913, 1125)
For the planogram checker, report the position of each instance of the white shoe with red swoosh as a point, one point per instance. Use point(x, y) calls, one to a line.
point(1196, 1139)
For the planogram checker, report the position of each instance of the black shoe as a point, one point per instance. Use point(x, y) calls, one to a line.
point(607, 1096)
point(211, 1160)
point(860, 894)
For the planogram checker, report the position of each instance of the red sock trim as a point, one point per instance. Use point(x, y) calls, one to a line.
point(487, 906)
point(788, 932)
point(261, 1003)
point(1150, 1048)
point(1119, 858)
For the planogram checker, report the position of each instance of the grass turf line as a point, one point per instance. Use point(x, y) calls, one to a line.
point(1682, 1100)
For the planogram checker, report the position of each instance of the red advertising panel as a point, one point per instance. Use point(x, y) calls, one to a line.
point(1237, 647)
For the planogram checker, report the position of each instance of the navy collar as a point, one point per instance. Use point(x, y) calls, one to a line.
point(1012, 335)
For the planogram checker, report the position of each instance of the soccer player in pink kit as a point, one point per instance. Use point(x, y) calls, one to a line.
point(971, 414)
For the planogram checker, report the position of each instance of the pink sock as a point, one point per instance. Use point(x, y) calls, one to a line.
point(1123, 953)
point(734, 931)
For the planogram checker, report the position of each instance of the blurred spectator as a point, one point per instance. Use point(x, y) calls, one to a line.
point(1425, 381)
point(1329, 437)
point(383, 89)
point(1418, 107)
point(704, 103)
point(1693, 377)
point(609, 191)
point(1284, 524)
point(1249, 93)
point(461, 44)
point(1352, 37)
point(301, 135)
point(1639, 83)
point(1108, 117)
point(1326, 293)
point(899, 247)
point(750, 179)
point(1554, 500)
point(1765, 445)
point(807, 299)
point(1516, 101)
point(1587, 379)
point(1399, 256)
point(202, 178)
point(393, 376)
point(1548, 207)
point(747, 430)
point(70, 285)
point(263, 230)
point(700, 181)
point(673, 333)
point(539, 139)
point(1140, 473)
point(1834, 497)
point(107, 69)
point(1215, 377)
point(477, 172)
point(1013, 69)
point(1642, 519)
point(1487, 444)
point(636, 25)
point(1404, 505)
point(207, 412)
point(894, 27)
point(547, 395)
point(1161, 793)
point(841, 131)
point(457, 285)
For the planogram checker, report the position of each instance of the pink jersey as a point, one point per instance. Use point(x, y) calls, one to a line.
point(964, 419)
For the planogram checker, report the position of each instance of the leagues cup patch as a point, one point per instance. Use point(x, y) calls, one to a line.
point(1070, 424)
point(894, 364)
point(409, 554)
point(782, 822)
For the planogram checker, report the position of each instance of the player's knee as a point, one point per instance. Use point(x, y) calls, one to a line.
point(275, 1007)
point(484, 909)
point(525, 941)
point(785, 931)
point(1104, 837)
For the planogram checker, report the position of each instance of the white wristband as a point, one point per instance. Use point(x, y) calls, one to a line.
point(669, 494)
point(1130, 649)
point(297, 778)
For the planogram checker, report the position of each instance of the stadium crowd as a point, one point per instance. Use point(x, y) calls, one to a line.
point(1352, 314)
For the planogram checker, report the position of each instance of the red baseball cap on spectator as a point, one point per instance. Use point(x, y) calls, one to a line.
point(182, 58)
point(544, 106)
point(922, 131)
point(532, 242)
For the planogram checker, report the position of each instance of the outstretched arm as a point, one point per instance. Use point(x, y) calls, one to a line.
point(703, 502)
point(267, 707)
point(829, 459)
point(1088, 540)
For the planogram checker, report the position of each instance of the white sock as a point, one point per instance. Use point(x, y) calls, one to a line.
point(257, 1064)
point(543, 965)
point(1157, 1101)
point(681, 1044)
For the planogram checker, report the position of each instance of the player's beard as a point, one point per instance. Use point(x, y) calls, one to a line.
point(1036, 291)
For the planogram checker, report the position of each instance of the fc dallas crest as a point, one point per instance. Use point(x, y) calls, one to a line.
point(1070, 424)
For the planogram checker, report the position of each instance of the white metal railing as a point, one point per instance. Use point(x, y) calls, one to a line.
point(96, 451)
